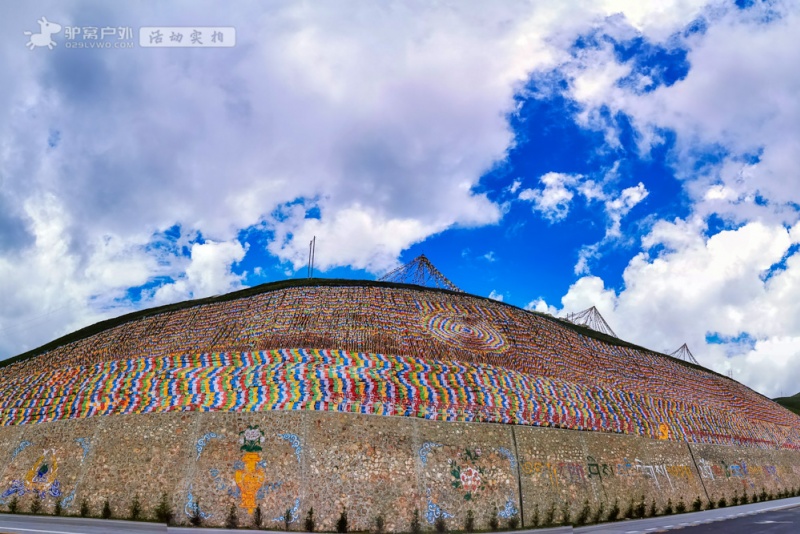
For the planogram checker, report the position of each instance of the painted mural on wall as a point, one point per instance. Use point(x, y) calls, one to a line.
point(252, 481)
point(559, 474)
point(39, 475)
point(375, 384)
point(750, 476)
point(39, 480)
point(249, 478)
point(468, 474)
point(154, 364)
point(477, 478)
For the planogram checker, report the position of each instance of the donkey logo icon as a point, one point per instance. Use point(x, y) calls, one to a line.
point(44, 37)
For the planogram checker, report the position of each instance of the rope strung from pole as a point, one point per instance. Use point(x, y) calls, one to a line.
point(591, 318)
point(421, 272)
point(683, 353)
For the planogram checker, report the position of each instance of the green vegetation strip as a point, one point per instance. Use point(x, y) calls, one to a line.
point(792, 403)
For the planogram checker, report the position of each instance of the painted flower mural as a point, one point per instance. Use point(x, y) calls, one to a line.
point(470, 479)
point(467, 475)
point(251, 439)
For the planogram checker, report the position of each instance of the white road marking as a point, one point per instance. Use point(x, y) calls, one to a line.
point(36, 530)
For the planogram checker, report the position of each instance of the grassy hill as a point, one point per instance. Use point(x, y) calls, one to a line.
point(793, 403)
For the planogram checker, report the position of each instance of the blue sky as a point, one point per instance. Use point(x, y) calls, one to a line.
point(638, 157)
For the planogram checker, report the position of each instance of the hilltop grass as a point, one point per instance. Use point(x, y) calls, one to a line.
point(792, 403)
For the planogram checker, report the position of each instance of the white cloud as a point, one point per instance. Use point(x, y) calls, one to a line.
point(656, 20)
point(616, 208)
point(586, 292)
point(208, 273)
point(700, 286)
point(489, 256)
point(737, 100)
point(737, 104)
point(771, 366)
point(586, 255)
point(540, 305)
point(54, 286)
point(361, 237)
point(494, 295)
point(553, 200)
point(382, 118)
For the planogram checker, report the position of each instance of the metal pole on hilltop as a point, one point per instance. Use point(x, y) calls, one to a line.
point(313, 253)
point(308, 265)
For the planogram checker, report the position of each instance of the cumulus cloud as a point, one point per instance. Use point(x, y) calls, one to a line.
point(494, 295)
point(736, 103)
point(540, 305)
point(736, 129)
point(208, 273)
point(371, 120)
point(710, 292)
point(554, 198)
point(369, 129)
point(615, 207)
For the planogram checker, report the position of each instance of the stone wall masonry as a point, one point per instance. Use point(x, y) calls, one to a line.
point(368, 464)
point(561, 466)
point(728, 470)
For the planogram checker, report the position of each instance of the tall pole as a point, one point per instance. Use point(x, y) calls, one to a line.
point(308, 266)
point(313, 253)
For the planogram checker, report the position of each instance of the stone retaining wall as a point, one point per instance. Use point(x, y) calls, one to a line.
point(370, 465)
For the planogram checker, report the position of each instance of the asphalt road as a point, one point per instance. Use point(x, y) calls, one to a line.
point(28, 524)
point(747, 518)
point(773, 517)
point(42, 524)
point(778, 522)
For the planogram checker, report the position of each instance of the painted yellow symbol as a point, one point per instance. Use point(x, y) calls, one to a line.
point(250, 478)
point(43, 473)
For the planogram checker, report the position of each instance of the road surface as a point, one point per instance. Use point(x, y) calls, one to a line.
point(720, 520)
point(773, 517)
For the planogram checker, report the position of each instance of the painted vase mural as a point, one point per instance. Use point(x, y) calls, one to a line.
point(250, 478)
